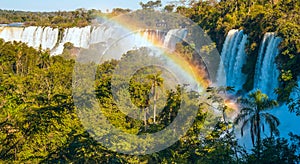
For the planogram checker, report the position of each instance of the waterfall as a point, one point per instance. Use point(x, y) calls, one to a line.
point(266, 72)
point(79, 37)
point(154, 36)
point(101, 34)
point(173, 37)
point(11, 33)
point(123, 40)
point(106, 34)
point(49, 38)
point(233, 57)
point(33, 36)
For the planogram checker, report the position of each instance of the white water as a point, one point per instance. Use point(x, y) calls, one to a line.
point(48, 38)
point(266, 72)
point(80, 37)
point(233, 57)
point(32, 36)
point(117, 43)
point(102, 34)
point(174, 36)
point(11, 33)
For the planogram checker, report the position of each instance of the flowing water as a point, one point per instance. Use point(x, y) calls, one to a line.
point(49, 38)
point(233, 57)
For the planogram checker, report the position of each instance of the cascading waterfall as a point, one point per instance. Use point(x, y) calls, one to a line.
point(101, 34)
point(11, 33)
point(80, 37)
point(174, 36)
point(32, 36)
point(233, 57)
point(48, 38)
point(144, 38)
point(266, 79)
point(266, 72)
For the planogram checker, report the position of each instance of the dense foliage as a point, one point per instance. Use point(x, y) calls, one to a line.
point(39, 124)
point(78, 18)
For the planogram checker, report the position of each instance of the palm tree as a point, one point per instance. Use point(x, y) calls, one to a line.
point(253, 112)
point(19, 55)
point(156, 81)
point(44, 59)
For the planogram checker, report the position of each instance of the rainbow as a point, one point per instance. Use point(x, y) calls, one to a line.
point(193, 71)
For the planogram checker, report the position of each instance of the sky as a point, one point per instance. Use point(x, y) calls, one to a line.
point(55, 5)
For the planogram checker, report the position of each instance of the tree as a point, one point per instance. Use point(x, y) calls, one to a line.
point(44, 61)
point(156, 81)
point(119, 11)
point(294, 102)
point(275, 150)
point(253, 112)
point(151, 4)
point(169, 8)
point(216, 97)
point(220, 145)
point(219, 95)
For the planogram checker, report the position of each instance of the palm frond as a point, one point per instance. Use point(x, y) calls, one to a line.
point(243, 126)
point(246, 102)
point(252, 131)
point(273, 123)
point(247, 110)
point(241, 116)
point(269, 104)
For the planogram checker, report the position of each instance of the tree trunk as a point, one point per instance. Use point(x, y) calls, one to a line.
point(145, 118)
point(154, 105)
point(258, 135)
point(249, 6)
point(224, 116)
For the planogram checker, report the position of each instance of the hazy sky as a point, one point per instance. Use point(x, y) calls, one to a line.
point(54, 5)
